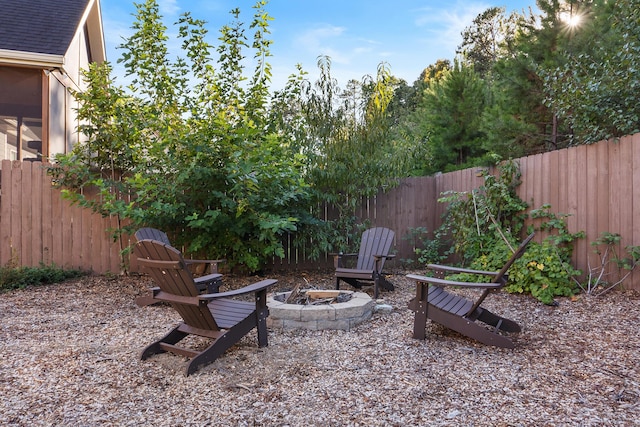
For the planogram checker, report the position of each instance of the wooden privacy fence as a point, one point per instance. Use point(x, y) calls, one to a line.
point(38, 226)
point(598, 185)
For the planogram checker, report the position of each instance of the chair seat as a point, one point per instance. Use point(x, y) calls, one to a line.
point(447, 301)
point(228, 313)
point(354, 273)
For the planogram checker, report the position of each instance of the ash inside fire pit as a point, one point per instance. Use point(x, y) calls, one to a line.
point(314, 297)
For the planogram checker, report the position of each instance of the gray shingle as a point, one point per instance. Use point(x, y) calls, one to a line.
point(39, 26)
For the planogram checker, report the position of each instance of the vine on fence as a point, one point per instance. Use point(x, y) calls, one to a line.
point(484, 227)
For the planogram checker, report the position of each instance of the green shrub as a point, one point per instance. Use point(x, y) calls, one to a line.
point(427, 250)
point(542, 272)
point(21, 277)
point(614, 264)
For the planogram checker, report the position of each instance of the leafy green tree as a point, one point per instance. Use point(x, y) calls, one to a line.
point(185, 149)
point(483, 40)
point(433, 73)
point(409, 126)
point(486, 47)
point(514, 54)
point(345, 138)
point(516, 100)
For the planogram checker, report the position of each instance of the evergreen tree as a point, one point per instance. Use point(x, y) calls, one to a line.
point(596, 90)
point(453, 107)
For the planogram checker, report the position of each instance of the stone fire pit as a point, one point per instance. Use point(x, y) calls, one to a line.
point(338, 315)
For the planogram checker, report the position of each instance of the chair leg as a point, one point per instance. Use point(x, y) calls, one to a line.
point(497, 321)
point(376, 286)
point(172, 337)
point(419, 305)
point(262, 312)
point(468, 328)
point(385, 284)
point(208, 355)
point(222, 344)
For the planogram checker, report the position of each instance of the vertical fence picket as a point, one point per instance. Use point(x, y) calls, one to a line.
point(26, 232)
point(634, 240)
point(622, 184)
point(37, 182)
point(47, 229)
point(5, 212)
point(15, 241)
point(582, 188)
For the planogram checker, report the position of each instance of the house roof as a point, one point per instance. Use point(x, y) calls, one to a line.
point(43, 27)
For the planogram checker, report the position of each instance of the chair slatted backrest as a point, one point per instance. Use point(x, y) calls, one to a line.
point(149, 233)
point(375, 241)
point(168, 270)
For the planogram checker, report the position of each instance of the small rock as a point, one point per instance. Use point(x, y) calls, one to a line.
point(383, 308)
point(452, 414)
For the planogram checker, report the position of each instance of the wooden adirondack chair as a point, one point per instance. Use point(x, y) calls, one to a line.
point(374, 251)
point(209, 283)
point(218, 317)
point(467, 317)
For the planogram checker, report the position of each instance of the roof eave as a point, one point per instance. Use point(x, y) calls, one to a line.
point(96, 31)
point(31, 59)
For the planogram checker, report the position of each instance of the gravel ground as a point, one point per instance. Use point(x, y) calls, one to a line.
point(69, 357)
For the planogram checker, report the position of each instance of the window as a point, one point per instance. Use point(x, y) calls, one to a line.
point(20, 113)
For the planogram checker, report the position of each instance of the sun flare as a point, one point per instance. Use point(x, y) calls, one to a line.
point(571, 19)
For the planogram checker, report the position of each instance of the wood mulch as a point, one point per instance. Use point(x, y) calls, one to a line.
point(69, 357)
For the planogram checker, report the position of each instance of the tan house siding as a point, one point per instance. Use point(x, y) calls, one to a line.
point(75, 27)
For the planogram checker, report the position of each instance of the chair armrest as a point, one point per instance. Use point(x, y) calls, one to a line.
point(340, 254)
point(255, 287)
point(456, 270)
point(207, 278)
point(201, 299)
point(212, 264)
point(208, 284)
point(443, 282)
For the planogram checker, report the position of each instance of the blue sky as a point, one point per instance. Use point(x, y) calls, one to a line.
point(357, 34)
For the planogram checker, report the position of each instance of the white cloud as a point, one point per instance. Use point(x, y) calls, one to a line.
point(314, 38)
point(322, 40)
point(362, 50)
point(168, 7)
point(444, 26)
